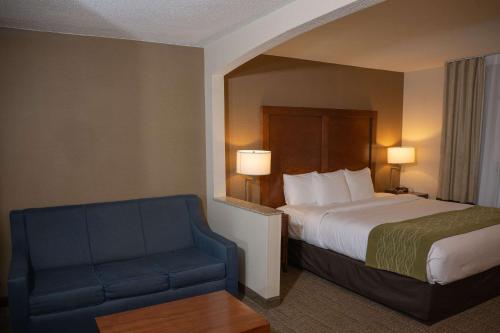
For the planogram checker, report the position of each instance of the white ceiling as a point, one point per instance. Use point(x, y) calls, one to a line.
point(182, 22)
point(403, 35)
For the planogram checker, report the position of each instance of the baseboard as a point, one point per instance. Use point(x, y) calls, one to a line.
point(264, 302)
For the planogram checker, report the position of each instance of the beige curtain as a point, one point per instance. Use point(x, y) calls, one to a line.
point(461, 135)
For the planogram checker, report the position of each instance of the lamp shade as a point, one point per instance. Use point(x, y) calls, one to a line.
point(400, 155)
point(253, 162)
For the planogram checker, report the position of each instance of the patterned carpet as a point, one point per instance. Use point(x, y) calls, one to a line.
point(312, 304)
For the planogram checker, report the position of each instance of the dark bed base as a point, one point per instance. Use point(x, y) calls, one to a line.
point(425, 302)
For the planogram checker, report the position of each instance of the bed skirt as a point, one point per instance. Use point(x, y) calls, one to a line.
point(423, 301)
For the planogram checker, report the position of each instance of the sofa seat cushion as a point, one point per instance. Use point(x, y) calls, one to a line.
point(64, 289)
point(132, 277)
point(190, 266)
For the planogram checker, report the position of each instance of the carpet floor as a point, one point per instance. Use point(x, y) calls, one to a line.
point(312, 304)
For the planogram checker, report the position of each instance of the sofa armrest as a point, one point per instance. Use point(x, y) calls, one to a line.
point(214, 244)
point(219, 247)
point(18, 292)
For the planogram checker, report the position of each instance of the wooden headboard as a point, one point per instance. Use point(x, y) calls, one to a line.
point(307, 139)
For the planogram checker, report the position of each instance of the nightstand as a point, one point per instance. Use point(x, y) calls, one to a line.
point(418, 194)
point(284, 242)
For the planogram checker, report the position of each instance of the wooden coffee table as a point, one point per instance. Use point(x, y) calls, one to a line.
point(215, 312)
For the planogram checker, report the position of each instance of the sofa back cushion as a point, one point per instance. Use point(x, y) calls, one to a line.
point(57, 237)
point(103, 232)
point(115, 231)
point(166, 224)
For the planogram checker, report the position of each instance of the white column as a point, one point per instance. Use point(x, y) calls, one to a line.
point(256, 234)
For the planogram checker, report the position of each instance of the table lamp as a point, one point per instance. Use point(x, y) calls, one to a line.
point(252, 163)
point(399, 156)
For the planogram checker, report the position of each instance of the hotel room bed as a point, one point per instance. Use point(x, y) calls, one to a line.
point(344, 228)
point(428, 303)
point(331, 241)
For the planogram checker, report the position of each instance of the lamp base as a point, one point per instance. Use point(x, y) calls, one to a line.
point(395, 167)
point(249, 180)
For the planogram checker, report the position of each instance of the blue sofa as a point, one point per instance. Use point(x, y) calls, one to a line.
point(71, 264)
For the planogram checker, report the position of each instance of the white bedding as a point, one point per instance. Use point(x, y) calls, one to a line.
point(344, 228)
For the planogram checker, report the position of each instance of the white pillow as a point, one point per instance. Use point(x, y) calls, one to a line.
point(360, 184)
point(330, 188)
point(299, 189)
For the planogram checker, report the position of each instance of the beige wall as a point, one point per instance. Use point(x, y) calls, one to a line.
point(422, 119)
point(87, 119)
point(269, 80)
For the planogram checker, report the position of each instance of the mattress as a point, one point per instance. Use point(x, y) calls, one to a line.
point(344, 228)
